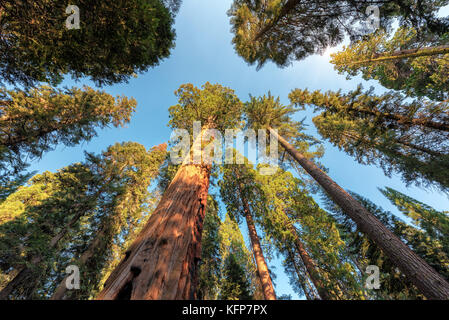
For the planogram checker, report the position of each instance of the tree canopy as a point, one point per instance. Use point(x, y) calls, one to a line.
point(115, 40)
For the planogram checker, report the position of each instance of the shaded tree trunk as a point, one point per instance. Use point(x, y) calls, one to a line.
point(424, 277)
point(304, 284)
point(262, 268)
point(310, 266)
point(162, 262)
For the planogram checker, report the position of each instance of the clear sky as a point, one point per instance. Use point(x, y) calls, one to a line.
point(204, 53)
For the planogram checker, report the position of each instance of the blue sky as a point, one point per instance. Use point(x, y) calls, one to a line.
point(204, 53)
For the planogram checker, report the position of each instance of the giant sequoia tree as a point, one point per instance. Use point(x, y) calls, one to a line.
point(116, 39)
point(406, 137)
point(287, 30)
point(83, 208)
point(34, 121)
point(266, 113)
point(162, 263)
point(417, 65)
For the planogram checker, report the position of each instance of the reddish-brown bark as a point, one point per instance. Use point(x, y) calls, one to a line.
point(162, 262)
point(262, 268)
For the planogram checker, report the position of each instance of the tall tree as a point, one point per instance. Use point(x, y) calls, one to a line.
point(406, 137)
point(243, 284)
point(162, 263)
point(267, 113)
point(235, 285)
point(417, 65)
point(34, 121)
point(298, 226)
point(287, 30)
point(46, 210)
point(114, 41)
point(435, 223)
point(116, 220)
point(243, 197)
point(87, 205)
point(209, 273)
point(393, 283)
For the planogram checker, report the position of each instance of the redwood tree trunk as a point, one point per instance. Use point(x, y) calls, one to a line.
point(262, 268)
point(424, 277)
point(162, 262)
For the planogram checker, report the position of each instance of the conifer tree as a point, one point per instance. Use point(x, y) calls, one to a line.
point(43, 214)
point(417, 65)
point(406, 137)
point(163, 261)
point(287, 30)
point(393, 283)
point(114, 41)
point(134, 169)
point(244, 283)
point(299, 227)
point(267, 113)
point(34, 121)
point(243, 198)
point(209, 272)
point(234, 286)
point(102, 200)
point(434, 223)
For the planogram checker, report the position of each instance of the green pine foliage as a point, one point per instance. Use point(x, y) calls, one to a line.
point(410, 138)
point(92, 207)
point(423, 75)
point(116, 40)
point(35, 121)
point(364, 252)
point(283, 31)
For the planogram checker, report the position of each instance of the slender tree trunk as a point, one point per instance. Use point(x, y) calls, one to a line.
point(406, 53)
point(424, 277)
point(262, 268)
point(310, 266)
point(304, 284)
point(162, 262)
